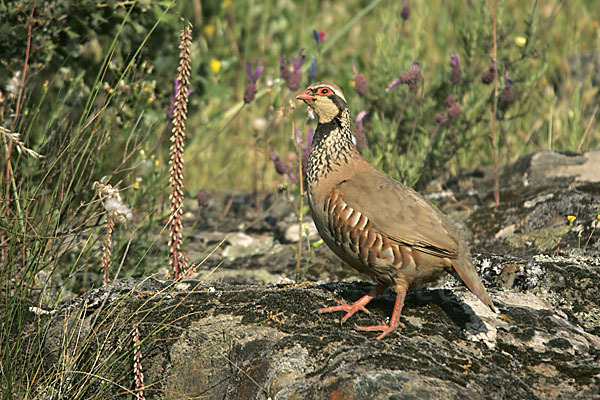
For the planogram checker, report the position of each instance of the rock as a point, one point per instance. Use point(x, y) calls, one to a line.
point(218, 341)
point(291, 233)
point(526, 177)
point(233, 334)
point(242, 245)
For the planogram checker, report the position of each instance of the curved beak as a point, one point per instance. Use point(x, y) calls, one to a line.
point(306, 96)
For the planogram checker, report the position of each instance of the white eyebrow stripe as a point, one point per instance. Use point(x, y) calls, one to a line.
point(338, 93)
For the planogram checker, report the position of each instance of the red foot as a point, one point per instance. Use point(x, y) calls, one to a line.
point(360, 304)
point(394, 321)
point(349, 308)
point(384, 328)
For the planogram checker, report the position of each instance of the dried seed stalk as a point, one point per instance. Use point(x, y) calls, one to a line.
point(107, 248)
point(177, 148)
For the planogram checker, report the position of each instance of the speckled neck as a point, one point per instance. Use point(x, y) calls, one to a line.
point(332, 145)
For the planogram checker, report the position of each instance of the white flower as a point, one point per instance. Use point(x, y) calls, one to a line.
point(12, 87)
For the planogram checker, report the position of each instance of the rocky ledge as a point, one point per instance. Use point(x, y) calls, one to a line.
point(232, 332)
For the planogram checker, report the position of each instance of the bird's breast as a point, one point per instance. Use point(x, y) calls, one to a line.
point(350, 234)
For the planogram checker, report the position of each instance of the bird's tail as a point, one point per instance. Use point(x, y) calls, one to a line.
point(465, 270)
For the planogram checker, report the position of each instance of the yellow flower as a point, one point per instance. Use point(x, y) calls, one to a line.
point(209, 30)
point(215, 65)
point(521, 41)
point(598, 217)
point(45, 84)
point(150, 99)
point(111, 91)
point(352, 84)
point(571, 219)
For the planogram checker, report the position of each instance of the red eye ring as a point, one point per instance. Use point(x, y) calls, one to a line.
point(324, 91)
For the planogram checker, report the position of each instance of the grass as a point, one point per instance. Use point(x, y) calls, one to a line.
point(99, 114)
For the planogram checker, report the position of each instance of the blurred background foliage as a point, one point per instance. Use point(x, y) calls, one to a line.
point(549, 48)
point(100, 81)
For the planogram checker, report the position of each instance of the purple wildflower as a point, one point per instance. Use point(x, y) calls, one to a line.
point(488, 75)
point(410, 78)
point(393, 84)
point(202, 199)
point(306, 151)
point(313, 67)
point(250, 90)
point(450, 100)
point(319, 36)
point(360, 82)
point(285, 71)
point(405, 10)
point(508, 95)
point(359, 132)
point(297, 137)
point(507, 80)
point(292, 76)
point(280, 166)
point(441, 118)
point(453, 107)
point(455, 73)
point(171, 108)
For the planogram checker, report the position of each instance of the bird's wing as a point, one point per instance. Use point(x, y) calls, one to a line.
point(400, 213)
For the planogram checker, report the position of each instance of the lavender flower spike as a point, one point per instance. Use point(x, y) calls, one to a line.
point(313, 67)
point(508, 95)
point(292, 76)
point(507, 80)
point(456, 73)
point(250, 90)
point(393, 84)
point(359, 132)
point(316, 36)
point(405, 14)
point(360, 82)
point(411, 77)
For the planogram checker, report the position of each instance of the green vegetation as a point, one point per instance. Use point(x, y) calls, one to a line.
point(86, 92)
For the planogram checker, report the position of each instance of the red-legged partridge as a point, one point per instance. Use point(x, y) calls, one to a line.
point(376, 224)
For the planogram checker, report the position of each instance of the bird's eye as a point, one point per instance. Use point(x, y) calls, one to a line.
point(324, 91)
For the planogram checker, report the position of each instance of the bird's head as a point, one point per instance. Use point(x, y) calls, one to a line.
point(326, 100)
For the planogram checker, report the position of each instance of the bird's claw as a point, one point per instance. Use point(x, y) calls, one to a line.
point(383, 328)
point(350, 309)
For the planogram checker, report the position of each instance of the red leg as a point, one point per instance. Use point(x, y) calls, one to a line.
point(395, 321)
point(357, 305)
